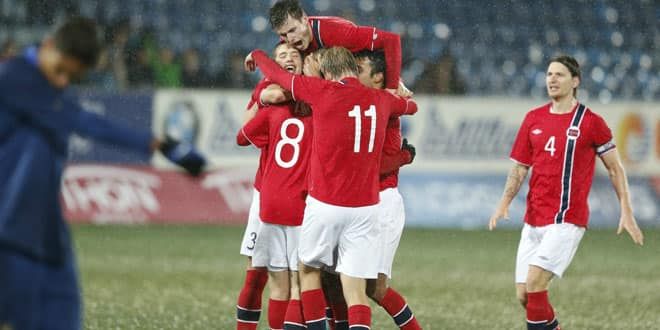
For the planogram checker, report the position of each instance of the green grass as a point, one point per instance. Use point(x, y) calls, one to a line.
point(172, 277)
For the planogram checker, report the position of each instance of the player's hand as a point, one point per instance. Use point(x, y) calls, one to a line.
point(301, 108)
point(312, 66)
point(405, 146)
point(628, 223)
point(249, 63)
point(184, 155)
point(403, 91)
point(500, 213)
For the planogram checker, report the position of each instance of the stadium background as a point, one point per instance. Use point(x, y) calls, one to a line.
point(476, 68)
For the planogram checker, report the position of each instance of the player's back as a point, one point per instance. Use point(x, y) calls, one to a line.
point(349, 129)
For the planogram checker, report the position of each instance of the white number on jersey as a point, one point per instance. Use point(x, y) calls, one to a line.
point(550, 146)
point(356, 113)
point(293, 141)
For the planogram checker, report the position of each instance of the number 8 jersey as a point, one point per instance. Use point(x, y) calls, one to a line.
point(286, 140)
point(561, 149)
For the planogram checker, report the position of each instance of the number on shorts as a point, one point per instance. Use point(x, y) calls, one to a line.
point(292, 141)
point(356, 113)
point(253, 239)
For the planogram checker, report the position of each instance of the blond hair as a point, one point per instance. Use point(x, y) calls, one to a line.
point(338, 61)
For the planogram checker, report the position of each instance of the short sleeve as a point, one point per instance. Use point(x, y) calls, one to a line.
point(602, 136)
point(522, 152)
point(256, 130)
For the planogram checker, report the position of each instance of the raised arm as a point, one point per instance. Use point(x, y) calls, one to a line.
point(514, 181)
point(274, 94)
point(390, 43)
point(617, 175)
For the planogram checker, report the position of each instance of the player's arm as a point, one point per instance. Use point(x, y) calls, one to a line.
point(390, 163)
point(401, 105)
point(617, 174)
point(274, 94)
point(302, 88)
point(255, 131)
point(514, 181)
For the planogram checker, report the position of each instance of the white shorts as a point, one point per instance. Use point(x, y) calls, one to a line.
point(550, 247)
point(276, 247)
point(252, 229)
point(352, 231)
point(391, 219)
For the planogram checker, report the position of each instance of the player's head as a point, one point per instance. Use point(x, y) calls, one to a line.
point(69, 52)
point(371, 66)
point(288, 58)
point(289, 21)
point(338, 62)
point(563, 77)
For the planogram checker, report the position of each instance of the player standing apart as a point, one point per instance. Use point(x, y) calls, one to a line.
point(38, 273)
point(284, 136)
point(560, 141)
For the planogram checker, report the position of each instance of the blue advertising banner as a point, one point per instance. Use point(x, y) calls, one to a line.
point(130, 109)
point(467, 201)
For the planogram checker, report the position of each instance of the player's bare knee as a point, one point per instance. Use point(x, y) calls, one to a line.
point(376, 289)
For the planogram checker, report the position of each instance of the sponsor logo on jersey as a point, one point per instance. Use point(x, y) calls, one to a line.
point(537, 131)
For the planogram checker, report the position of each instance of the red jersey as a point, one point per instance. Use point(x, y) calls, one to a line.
point(561, 150)
point(330, 31)
point(255, 98)
point(391, 147)
point(349, 128)
point(286, 141)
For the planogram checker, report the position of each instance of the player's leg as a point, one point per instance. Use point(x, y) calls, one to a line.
point(60, 296)
point(391, 218)
point(322, 225)
point(358, 259)
point(338, 316)
point(20, 280)
point(248, 306)
point(554, 255)
point(278, 284)
point(294, 320)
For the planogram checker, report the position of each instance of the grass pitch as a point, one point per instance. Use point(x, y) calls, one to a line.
point(173, 277)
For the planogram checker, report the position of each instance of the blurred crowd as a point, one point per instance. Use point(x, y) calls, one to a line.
point(134, 59)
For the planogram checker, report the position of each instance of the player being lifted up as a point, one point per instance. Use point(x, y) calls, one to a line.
point(248, 307)
point(309, 33)
point(38, 273)
point(283, 133)
point(349, 128)
point(559, 141)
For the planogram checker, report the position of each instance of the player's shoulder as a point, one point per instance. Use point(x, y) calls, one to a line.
point(540, 110)
point(330, 20)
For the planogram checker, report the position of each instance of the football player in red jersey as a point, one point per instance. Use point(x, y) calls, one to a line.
point(560, 141)
point(248, 308)
point(309, 33)
point(284, 135)
point(349, 128)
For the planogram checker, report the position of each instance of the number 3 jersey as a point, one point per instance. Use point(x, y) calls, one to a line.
point(286, 142)
point(561, 150)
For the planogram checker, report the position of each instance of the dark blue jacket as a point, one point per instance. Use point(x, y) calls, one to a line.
point(36, 121)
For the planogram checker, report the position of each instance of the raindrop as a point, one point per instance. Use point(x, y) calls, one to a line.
point(415, 30)
point(645, 61)
point(441, 31)
point(597, 74)
point(605, 96)
point(617, 39)
point(367, 5)
point(259, 24)
point(611, 15)
point(509, 68)
point(321, 5)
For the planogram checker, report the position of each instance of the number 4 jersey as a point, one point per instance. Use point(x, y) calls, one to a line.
point(286, 141)
point(561, 149)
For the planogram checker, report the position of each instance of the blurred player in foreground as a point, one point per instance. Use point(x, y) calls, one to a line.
point(349, 128)
point(559, 141)
point(38, 275)
point(283, 132)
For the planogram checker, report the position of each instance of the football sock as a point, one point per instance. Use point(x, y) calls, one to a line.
point(276, 313)
point(396, 306)
point(553, 323)
point(330, 317)
point(359, 317)
point(293, 320)
point(340, 313)
point(537, 310)
point(248, 308)
point(313, 302)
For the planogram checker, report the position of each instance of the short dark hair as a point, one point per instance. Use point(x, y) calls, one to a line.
point(376, 60)
point(571, 63)
point(78, 38)
point(281, 10)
